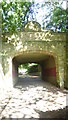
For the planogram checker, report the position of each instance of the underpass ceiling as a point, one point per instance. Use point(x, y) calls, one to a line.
point(30, 57)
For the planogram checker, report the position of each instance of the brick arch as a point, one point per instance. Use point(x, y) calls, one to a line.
point(47, 61)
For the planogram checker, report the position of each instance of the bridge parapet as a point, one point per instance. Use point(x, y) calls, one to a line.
point(33, 41)
point(34, 36)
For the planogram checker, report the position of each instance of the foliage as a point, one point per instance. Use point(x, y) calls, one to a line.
point(49, 14)
point(14, 15)
point(24, 66)
point(33, 68)
point(30, 67)
point(59, 19)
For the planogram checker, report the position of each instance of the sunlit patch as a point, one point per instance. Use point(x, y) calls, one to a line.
point(31, 100)
point(64, 5)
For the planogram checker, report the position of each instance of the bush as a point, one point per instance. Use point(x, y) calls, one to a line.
point(33, 68)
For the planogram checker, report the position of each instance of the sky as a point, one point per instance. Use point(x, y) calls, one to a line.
point(41, 12)
point(39, 1)
point(64, 4)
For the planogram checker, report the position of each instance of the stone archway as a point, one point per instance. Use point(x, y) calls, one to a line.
point(33, 40)
point(45, 60)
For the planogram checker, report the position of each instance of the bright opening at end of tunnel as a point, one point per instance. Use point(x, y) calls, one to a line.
point(29, 69)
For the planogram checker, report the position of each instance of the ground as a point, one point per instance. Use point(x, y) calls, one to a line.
point(33, 98)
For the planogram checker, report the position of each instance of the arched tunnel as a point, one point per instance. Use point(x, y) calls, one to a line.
point(45, 60)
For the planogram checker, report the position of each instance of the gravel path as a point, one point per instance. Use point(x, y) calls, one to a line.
point(33, 98)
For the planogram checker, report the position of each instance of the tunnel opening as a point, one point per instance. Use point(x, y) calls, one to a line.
point(29, 73)
point(29, 69)
point(46, 66)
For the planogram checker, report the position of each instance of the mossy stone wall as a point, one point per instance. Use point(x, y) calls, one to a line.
point(54, 44)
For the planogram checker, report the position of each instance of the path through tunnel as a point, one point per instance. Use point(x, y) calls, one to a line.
point(44, 60)
point(29, 70)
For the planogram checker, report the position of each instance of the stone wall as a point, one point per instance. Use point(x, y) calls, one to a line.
point(53, 44)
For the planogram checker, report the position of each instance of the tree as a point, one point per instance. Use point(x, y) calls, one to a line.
point(30, 67)
point(59, 20)
point(14, 15)
point(53, 16)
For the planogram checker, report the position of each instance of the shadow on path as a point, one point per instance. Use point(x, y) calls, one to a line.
point(35, 98)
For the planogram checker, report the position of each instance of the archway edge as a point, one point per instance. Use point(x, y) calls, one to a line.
point(40, 57)
point(35, 54)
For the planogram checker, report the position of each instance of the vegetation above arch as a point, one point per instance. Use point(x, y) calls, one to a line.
point(16, 14)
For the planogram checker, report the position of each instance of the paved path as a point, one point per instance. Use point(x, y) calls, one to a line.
point(33, 98)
